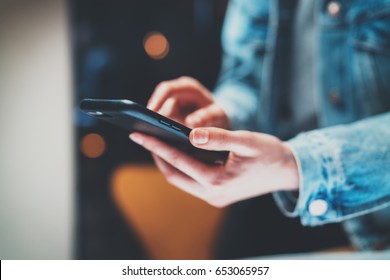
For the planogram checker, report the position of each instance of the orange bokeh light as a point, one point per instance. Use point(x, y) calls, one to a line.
point(93, 145)
point(156, 45)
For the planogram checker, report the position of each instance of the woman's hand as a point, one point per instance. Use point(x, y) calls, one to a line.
point(188, 102)
point(257, 164)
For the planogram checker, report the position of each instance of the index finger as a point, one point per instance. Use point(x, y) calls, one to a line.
point(185, 89)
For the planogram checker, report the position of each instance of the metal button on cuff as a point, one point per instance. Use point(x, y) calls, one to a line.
point(333, 8)
point(318, 207)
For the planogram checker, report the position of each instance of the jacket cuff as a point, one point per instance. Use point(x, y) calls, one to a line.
point(321, 173)
point(287, 200)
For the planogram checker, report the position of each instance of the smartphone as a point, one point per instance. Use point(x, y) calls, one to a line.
point(135, 117)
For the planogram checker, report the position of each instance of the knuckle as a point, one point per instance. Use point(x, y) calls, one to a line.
point(210, 176)
point(163, 86)
point(186, 79)
point(216, 179)
point(246, 138)
point(216, 183)
point(249, 138)
point(253, 144)
point(214, 117)
point(223, 138)
point(213, 179)
point(201, 114)
point(189, 81)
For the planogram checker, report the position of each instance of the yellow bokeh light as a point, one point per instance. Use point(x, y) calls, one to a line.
point(93, 145)
point(156, 45)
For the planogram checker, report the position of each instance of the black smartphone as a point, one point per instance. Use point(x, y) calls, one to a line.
point(135, 117)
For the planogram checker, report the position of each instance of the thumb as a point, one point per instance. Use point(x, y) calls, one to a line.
point(242, 143)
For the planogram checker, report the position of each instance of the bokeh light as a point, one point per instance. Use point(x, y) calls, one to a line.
point(93, 145)
point(156, 45)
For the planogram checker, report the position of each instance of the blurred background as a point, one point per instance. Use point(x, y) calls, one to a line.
point(73, 187)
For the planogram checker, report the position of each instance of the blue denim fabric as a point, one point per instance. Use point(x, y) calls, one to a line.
point(346, 162)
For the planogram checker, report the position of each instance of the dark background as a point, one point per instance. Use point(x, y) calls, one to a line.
point(110, 62)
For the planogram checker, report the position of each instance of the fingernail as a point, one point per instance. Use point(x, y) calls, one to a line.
point(201, 136)
point(136, 138)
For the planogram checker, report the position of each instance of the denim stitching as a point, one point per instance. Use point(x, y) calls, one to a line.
point(329, 151)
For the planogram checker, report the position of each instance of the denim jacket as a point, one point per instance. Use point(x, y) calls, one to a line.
point(344, 165)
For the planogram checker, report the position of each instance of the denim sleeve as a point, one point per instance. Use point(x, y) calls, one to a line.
point(344, 172)
point(243, 41)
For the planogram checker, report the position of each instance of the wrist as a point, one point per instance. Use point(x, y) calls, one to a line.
point(290, 166)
